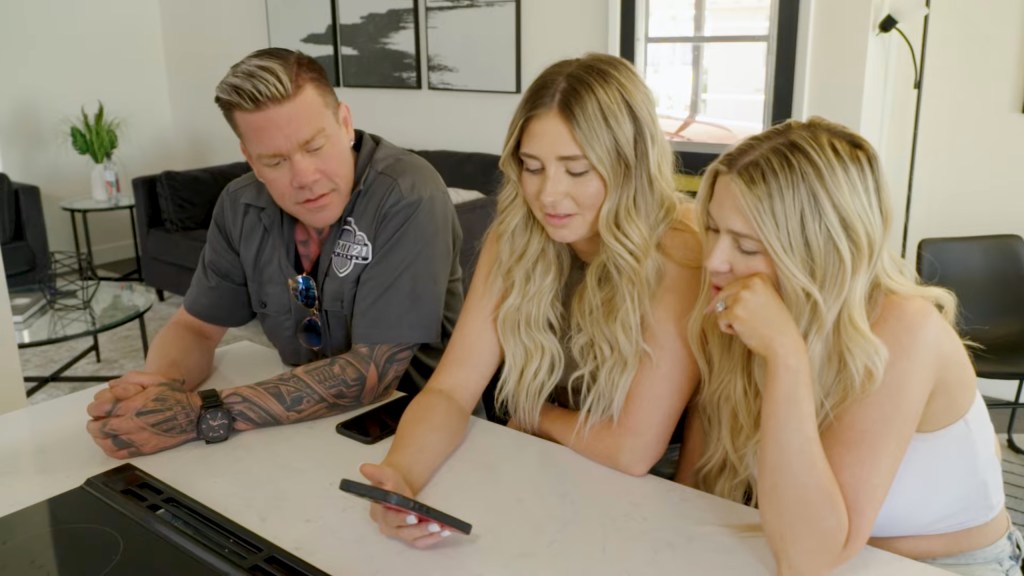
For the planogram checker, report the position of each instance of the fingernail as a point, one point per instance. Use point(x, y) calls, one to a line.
point(446, 533)
point(433, 528)
point(411, 519)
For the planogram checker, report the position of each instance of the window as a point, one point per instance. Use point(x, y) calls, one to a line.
point(720, 70)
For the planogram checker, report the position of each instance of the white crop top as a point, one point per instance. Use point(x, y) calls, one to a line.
point(950, 479)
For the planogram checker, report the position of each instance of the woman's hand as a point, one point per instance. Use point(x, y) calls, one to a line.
point(412, 529)
point(751, 309)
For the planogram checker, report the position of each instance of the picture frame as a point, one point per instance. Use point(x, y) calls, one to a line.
point(379, 43)
point(473, 45)
point(307, 26)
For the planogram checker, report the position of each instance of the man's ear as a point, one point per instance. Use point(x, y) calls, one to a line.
point(345, 119)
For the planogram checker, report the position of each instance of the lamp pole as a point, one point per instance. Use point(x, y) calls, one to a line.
point(917, 116)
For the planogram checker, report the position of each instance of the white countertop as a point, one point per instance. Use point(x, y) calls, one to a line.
point(536, 507)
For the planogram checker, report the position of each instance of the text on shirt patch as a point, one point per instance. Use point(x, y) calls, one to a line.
point(352, 247)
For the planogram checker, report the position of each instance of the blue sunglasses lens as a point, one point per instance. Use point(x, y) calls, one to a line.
point(310, 334)
point(303, 289)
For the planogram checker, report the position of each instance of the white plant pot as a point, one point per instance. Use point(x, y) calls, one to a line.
point(106, 184)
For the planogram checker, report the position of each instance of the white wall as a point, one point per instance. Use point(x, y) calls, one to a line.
point(969, 177)
point(864, 80)
point(836, 59)
point(157, 67)
point(58, 55)
point(550, 30)
point(202, 39)
point(12, 387)
point(199, 52)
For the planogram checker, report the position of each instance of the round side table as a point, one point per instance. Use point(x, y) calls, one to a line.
point(84, 206)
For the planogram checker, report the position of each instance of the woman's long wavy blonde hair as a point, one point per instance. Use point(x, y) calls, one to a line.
point(611, 114)
point(815, 194)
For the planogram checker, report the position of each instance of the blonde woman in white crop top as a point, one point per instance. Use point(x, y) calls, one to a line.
point(836, 395)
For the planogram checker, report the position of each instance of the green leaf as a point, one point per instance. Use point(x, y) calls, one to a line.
point(86, 126)
point(78, 141)
point(113, 144)
point(95, 136)
point(100, 139)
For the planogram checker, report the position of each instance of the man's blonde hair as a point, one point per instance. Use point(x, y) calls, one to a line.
point(268, 77)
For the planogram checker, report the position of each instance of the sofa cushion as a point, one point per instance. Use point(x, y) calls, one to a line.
point(469, 170)
point(475, 216)
point(187, 198)
point(8, 217)
point(180, 248)
point(18, 257)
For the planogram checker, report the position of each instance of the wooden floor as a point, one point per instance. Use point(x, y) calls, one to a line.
point(1013, 481)
point(1013, 464)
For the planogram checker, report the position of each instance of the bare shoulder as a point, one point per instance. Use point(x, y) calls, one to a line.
point(681, 252)
point(681, 243)
point(911, 323)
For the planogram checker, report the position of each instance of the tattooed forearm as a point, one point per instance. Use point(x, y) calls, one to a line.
point(361, 376)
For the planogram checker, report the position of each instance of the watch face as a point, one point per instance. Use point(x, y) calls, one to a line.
point(215, 425)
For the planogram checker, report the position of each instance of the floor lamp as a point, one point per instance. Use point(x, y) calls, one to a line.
point(888, 24)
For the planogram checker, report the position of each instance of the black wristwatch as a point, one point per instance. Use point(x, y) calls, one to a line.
point(215, 421)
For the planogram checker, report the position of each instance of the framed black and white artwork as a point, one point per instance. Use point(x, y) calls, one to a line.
point(307, 26)
point(473, 45)
point(379, 42)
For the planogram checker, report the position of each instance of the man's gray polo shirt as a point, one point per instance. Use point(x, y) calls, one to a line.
point(388, 273)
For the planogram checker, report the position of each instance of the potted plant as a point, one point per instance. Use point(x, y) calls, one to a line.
point(96, 137)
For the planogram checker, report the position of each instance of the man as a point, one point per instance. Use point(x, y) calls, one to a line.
point(343, 245)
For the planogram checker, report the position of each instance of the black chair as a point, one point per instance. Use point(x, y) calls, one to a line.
point(987, 275)
point(23, 245)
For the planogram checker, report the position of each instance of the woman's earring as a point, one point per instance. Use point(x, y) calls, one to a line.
point(352, 143)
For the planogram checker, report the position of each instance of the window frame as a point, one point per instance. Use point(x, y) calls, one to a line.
point(694, 158)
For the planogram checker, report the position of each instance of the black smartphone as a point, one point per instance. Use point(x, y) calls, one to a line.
point(404, 503)
point(376, 423)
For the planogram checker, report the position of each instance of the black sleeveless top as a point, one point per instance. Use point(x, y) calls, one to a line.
point(560, 395)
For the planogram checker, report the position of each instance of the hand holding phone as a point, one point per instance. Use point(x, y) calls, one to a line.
point(418, 527)
point(396, 501)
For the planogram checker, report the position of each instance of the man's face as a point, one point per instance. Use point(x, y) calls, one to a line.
point(301, 150)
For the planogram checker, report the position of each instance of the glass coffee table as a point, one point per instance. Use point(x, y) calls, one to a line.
point(114, 304)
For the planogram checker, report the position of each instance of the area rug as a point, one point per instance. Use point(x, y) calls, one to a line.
point(120, 351)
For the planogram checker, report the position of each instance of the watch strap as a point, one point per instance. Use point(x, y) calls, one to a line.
point(210, 399)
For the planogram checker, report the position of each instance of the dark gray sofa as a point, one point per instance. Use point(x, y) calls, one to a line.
point(173, 210)
point(23, 244)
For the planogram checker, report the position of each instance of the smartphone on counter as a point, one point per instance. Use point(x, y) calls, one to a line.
point(376, 423)
point(404, 503)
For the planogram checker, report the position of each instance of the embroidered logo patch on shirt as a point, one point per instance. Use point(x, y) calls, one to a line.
point(352, 248)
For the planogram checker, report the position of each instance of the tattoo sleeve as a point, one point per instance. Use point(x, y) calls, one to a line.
point(361, 376)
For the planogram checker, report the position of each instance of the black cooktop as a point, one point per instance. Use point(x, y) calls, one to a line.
point(126, 521)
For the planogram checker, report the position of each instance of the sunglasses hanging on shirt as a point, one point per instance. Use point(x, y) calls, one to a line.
point(310, 332)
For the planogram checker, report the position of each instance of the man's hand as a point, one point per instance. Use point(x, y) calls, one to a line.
point(142, 413)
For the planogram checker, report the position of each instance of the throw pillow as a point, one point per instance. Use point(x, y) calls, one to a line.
point(460, 195)
point(187, 198)
point(8, 218)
